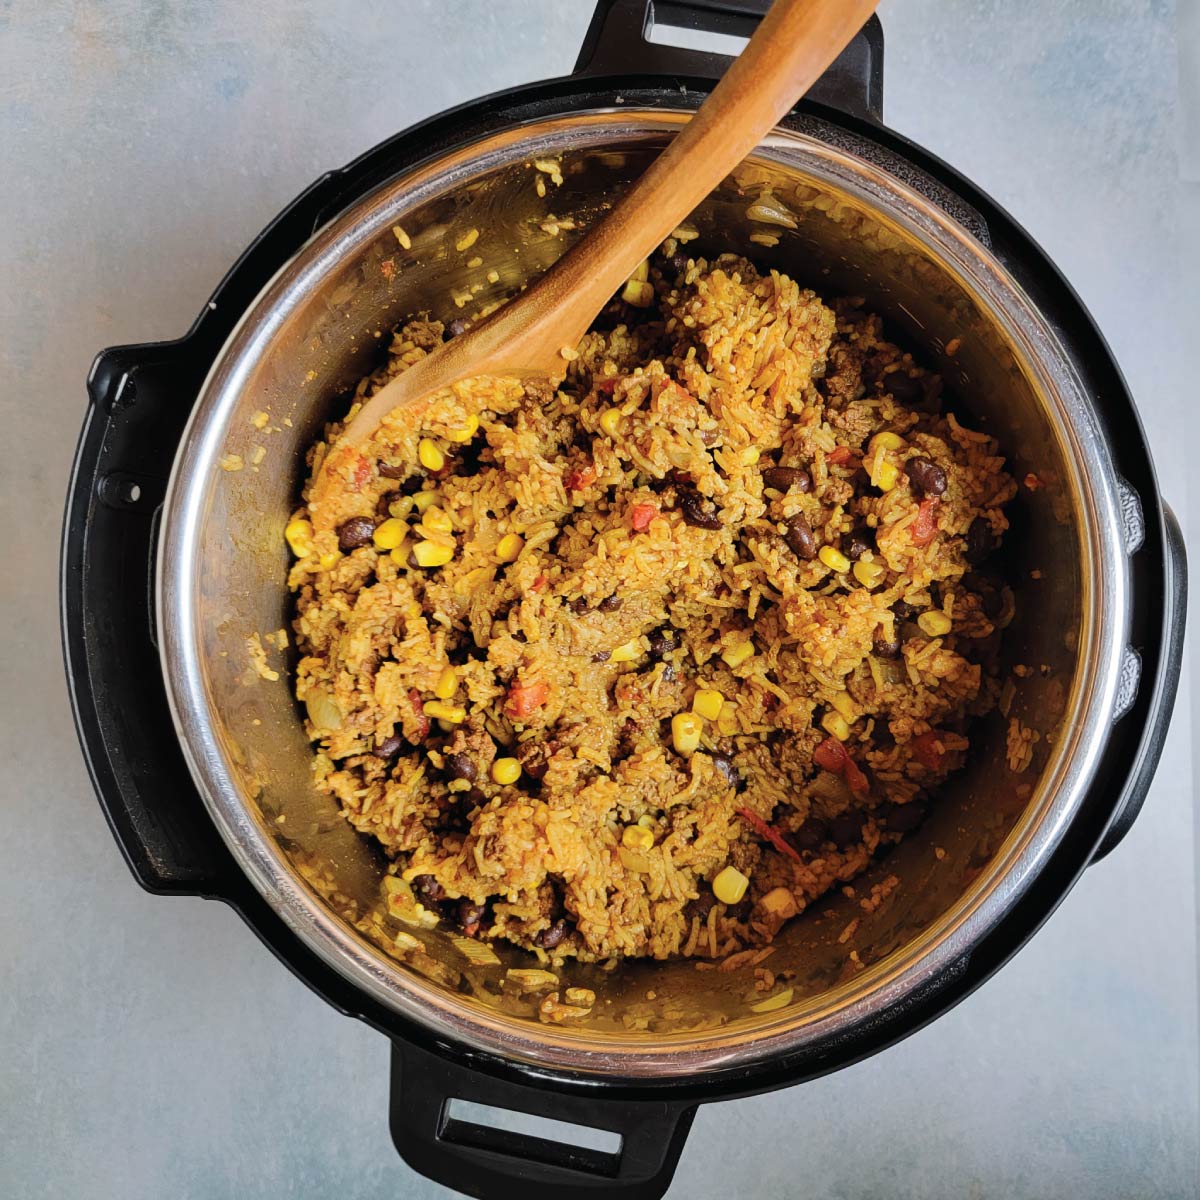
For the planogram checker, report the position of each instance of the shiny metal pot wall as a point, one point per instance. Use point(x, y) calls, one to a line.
point(864, 224)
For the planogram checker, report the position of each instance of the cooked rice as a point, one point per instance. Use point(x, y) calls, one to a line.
point(727, 374)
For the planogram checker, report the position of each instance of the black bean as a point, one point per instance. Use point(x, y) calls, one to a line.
point(741, 910)
point(578, 605)
point(457, 328)
point(926, 477)
point(601, 656)
point(902, 818)
point(724, 765)
point(785, 478)
point(812, 835)
point(979, 540)
point(668, 673)
point(884, 647)
point(427, 889)
point(534, 757)
point(676, 476)
point(355, 532)
point(470, 915)
point(903, 387)
point(695, 509)
point(858, 541)
point(549, 938)
point(662, 641)
point(393, 470)
point(389, 747)
point(701, 906)
point(846, 829)
point(799, 537)
point(610, 603)
point(903, 610)
point(460, 766)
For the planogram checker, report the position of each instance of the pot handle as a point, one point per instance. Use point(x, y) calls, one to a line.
point(617, 44)
point(1170, 618)
point(486, 1161)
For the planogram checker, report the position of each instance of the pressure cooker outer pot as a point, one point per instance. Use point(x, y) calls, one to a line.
point(141, 399)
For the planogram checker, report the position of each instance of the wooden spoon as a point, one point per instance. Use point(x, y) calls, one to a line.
point(525, 338)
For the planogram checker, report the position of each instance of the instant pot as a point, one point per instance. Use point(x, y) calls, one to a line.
point(173, 590)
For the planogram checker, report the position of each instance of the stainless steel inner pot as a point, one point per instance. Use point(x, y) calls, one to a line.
point(865, 225)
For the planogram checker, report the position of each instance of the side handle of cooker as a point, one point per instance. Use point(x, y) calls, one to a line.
point(486, 1161)
point(618, 43)
point(1163, 685)
point(140, 397)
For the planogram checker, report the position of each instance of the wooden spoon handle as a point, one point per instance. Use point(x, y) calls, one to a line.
point(792, 47)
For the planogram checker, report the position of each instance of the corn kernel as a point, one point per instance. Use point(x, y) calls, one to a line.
point(730, 885)
point(390, 533)
point(639, 293)
point(299, 537)
point(467, 240)
point(430, 455)
point(509, 547)
point(627, 652)
point(430, 554)
point(835, 725)
point(842, 702)
point(935, 623)
point(400, 554)
point(642, 270)
point(751, 455)
point(885, 475)
point(734, 655)
point(506, 771)
point(636, 837)
point(708, 702)
point(869, 574)
point(447, 684)
point(466, 431)
point(423, 500)
point(610, 421)
point(834, 559)
point(439, 710)
point(328, 560)
point(887, 440)
point(437, 520)
point(685, 733)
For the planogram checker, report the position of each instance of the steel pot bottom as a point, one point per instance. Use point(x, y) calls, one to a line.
point(859, 230)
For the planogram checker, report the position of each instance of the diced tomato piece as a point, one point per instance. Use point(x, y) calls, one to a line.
point(856, 781)
point(539, 583)
point(831, 755)
point(606, 385)
point(525, 698)
point(418, 704)
point(841, 456)
point(580, 477)
point(929, 750)
point(640, 516)
point(924, 529)
point(770, 833)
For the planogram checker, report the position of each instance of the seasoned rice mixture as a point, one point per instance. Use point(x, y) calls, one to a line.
point(645, 665)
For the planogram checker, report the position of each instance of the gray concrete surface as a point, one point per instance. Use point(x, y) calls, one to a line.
point(151, 1047)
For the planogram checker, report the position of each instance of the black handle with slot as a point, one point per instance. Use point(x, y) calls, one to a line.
point(617, 44)
point(139, 400)
point(486, 1161)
